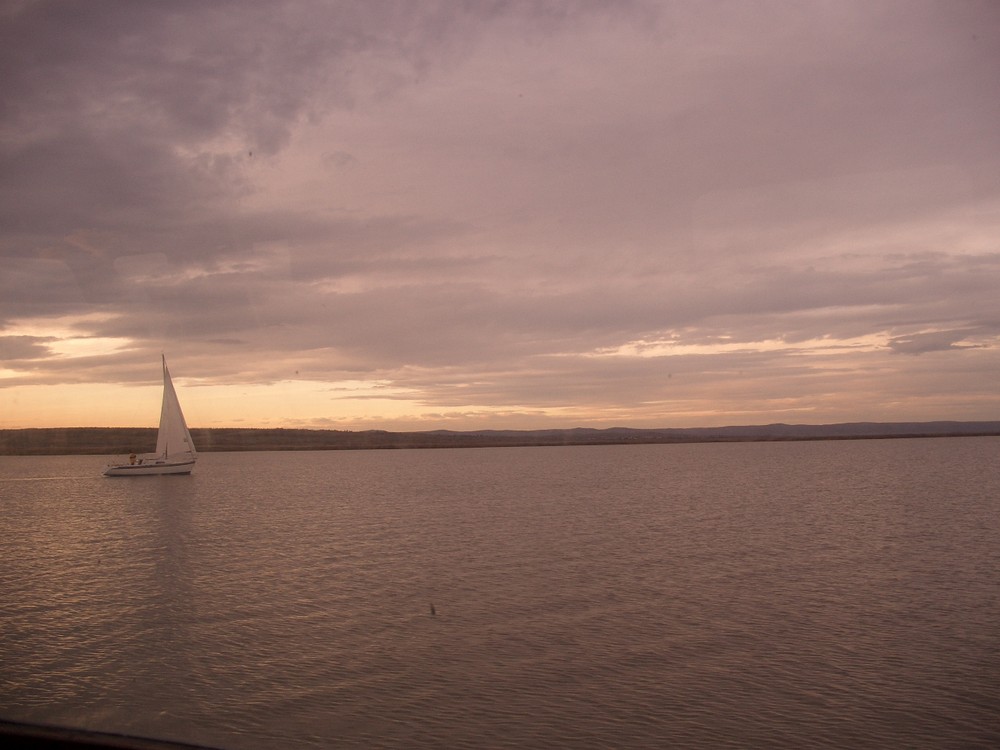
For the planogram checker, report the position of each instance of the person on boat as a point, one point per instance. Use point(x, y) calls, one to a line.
point(131, 460)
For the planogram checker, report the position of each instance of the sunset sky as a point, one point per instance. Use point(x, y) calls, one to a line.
point(510, 215)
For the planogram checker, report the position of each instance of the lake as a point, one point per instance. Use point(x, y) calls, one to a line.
point(783, 595)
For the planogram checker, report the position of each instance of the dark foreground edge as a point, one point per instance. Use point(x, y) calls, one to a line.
point(37, 737)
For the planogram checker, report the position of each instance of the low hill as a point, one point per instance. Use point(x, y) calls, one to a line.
point(116, 441)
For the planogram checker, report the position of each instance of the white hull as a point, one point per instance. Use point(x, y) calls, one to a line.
point(144, 469)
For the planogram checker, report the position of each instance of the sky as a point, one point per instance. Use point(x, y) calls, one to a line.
point(499, 214)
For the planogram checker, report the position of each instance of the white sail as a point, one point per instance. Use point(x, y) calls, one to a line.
point(173, 441)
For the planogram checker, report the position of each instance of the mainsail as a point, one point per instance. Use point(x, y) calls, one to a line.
point(173, 439)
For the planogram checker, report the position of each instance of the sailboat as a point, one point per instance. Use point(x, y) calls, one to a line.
point(175, 453)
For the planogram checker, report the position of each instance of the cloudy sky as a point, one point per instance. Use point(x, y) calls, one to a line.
point(499, 213)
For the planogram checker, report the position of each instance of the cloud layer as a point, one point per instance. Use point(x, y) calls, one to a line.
point(511, 214)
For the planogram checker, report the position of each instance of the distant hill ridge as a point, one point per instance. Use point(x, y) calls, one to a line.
point(116, 440)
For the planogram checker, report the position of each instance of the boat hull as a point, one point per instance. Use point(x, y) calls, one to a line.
point(149, 469)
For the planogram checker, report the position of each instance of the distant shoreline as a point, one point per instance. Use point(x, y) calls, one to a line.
point(117, 441)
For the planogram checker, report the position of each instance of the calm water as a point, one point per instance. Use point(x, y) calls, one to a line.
point(826, 594)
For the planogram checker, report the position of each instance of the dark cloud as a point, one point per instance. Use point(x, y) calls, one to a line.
point(931, 341)
point(23, 348)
